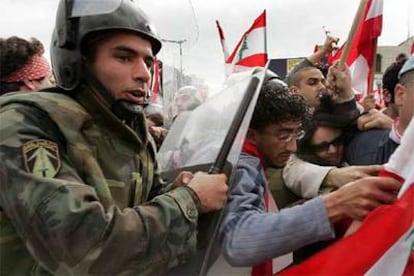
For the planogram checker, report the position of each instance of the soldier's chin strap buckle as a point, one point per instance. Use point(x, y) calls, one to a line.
point(125, 110)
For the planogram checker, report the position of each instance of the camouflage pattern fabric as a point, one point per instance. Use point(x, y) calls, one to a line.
point(78, 192)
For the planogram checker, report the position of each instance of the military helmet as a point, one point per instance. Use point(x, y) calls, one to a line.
point(76, 19)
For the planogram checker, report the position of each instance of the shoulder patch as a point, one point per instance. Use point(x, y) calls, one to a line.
point(41, 158)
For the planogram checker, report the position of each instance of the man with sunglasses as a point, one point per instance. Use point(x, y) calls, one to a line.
point(252, 231)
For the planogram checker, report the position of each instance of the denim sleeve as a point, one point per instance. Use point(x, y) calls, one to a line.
point(249, 235)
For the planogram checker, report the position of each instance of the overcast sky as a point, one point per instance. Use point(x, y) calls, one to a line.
point(293, 26)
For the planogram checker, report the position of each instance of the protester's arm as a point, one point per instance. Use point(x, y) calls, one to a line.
point(71, 226)
point(303, 178)
point(339, 82)
point(248, 235)
point(337, 177)
point(356, 199)
point(374, 119)
point(326, 48)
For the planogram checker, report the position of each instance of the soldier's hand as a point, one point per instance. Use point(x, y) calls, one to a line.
point(183, 179)
point(211, 190)
point(358, 198)
point(374, 119)
point(338, 177)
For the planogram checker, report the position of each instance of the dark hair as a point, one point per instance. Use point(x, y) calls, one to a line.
point(276, 104)
point(15, 52)
point(156, 118)
point(292, 78)
point(390, 77)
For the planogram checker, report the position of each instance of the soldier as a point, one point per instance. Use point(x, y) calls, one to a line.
point(79, 193)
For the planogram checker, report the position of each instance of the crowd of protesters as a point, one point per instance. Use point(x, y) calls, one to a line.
point(79, 188)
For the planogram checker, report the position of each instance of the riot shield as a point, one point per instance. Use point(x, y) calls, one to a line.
point(210, 139)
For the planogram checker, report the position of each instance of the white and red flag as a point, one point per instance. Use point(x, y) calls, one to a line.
point(384, 243)
point(155, 82)
point(222, 41)
point(412, 49)
point(361, 58)
point(251, 51)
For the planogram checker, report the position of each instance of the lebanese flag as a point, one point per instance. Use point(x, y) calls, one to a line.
point(251, 49)
point(363, 48)
point(383, 245)
point(222, 41)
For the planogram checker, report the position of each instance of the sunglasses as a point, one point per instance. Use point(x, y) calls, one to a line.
point(324, 146)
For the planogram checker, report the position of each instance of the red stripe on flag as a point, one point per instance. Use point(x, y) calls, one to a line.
point(254, 60)
point(357, 253)
point(155, 87)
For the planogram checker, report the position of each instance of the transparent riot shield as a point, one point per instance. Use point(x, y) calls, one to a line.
point(210, 139)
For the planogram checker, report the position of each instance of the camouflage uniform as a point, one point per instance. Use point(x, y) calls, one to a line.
point(80, 195)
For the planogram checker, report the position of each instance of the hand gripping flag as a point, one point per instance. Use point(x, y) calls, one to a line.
point(361, 57)
point(383, 245)
point(251, 49)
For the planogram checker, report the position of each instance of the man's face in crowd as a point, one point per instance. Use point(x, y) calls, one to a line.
point(184, 102)
point(404, 98)
point(276, 142)
point(122, 64)
point(327, 144)
point(311, 83)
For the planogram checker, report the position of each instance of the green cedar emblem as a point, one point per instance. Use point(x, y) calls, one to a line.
point(244, 46)
point(41, 158)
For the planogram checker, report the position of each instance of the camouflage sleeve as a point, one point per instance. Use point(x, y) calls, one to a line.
point(63, 223)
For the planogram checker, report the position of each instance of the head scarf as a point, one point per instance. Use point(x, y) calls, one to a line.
point(36, 68)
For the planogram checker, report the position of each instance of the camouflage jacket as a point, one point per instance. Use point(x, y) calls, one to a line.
point(78, 195)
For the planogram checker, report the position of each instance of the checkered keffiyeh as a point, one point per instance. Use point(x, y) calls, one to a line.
point(36, 68)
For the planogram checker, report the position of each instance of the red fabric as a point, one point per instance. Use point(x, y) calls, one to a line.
point(155, 86)
point(386, 173)
point(358, 252)
point(254, 60)
point(250, 148)
point(412, 49)
point(36, 68)
point(261, 59)
point(265, 268)
point(409, 269)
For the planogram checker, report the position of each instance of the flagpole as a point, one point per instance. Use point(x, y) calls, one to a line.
point(374, 64)
point(357, 19)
